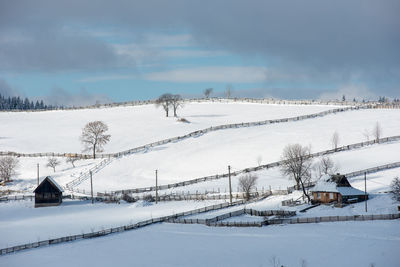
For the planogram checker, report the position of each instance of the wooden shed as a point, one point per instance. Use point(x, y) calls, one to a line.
point(336, 189)
point(48, 193)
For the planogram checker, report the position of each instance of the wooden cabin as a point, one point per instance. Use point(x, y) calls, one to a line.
point(48, 193)
point(336, 189)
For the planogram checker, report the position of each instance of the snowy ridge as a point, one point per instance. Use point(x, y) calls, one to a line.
point(213, 99)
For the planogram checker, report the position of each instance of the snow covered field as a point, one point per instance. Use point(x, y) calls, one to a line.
point(323, 244)
point(129, 126)
point(212, 153)
point(356, 244)
point(22, 223)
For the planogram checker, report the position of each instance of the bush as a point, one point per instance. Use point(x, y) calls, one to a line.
point(128, 198)
point(148, 198)
point(395, 186)
point(7, 168)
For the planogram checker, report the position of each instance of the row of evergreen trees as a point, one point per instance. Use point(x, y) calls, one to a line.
point(15, 102)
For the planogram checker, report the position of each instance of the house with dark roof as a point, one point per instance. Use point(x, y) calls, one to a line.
point(336, 189)
point(48, 193)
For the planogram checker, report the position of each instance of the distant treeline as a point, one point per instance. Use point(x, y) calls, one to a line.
point(15, 102)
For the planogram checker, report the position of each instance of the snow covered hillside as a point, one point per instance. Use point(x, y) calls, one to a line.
point(130, 126)
point(353, 244)
point(194, 157)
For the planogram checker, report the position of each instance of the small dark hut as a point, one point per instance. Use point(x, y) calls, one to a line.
point(48, 193)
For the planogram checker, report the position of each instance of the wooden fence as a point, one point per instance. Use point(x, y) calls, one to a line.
point(86, 175)
point(333, 219)
point(17, 197)
point(216, 221)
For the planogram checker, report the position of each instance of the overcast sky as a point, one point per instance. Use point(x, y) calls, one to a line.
point(79, 52)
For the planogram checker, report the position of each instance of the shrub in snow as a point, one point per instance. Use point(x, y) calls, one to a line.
point(148, 198)
point(128, 198)
point(7, 168)
point(247, 183)
point(395, 186)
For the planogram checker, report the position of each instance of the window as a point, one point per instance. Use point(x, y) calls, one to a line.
point(318, 195)
point(331, 195)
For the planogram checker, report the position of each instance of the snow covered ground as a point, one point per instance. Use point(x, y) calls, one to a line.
point(25, 180)
point(21, 223)
point(129, 126)
point(212, 153)
point(356, 244)
point(324, 244)
point(118, 176)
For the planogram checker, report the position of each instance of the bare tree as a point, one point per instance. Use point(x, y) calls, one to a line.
point(377, 132)
point(247, 183)
point(207, 92)
point(395, 186)
point(297, 165)
point(335, 140)
point(259, 160)
point(52, 163)
point(176, 102)
point(326, 166)
point(7, 167)
point(366, 134)
point(165, 102)
point(94, 138)
point(228, 91)
point(72, 160)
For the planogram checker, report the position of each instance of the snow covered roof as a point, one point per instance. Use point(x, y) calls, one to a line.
point(350, 191)
point(52, 181)
point(325, 184)
point(55, 184)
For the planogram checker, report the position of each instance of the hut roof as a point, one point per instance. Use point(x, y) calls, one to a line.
point(350, 191)
point(336, 184)
point(51, 181)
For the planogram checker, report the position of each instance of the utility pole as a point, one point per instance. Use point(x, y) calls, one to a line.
point(156, 187)
point(38, 174)
point(230, 184)
point(365, 196)
point(91, 186)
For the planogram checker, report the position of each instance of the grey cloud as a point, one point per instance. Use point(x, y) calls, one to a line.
point(59, 96)
point(52, 51)
point(324, 40)
point(6, 90)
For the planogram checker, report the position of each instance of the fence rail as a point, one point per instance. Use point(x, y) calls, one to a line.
point(83, 177)
point(216, 221)
point(333, 219)
point(17, 197)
